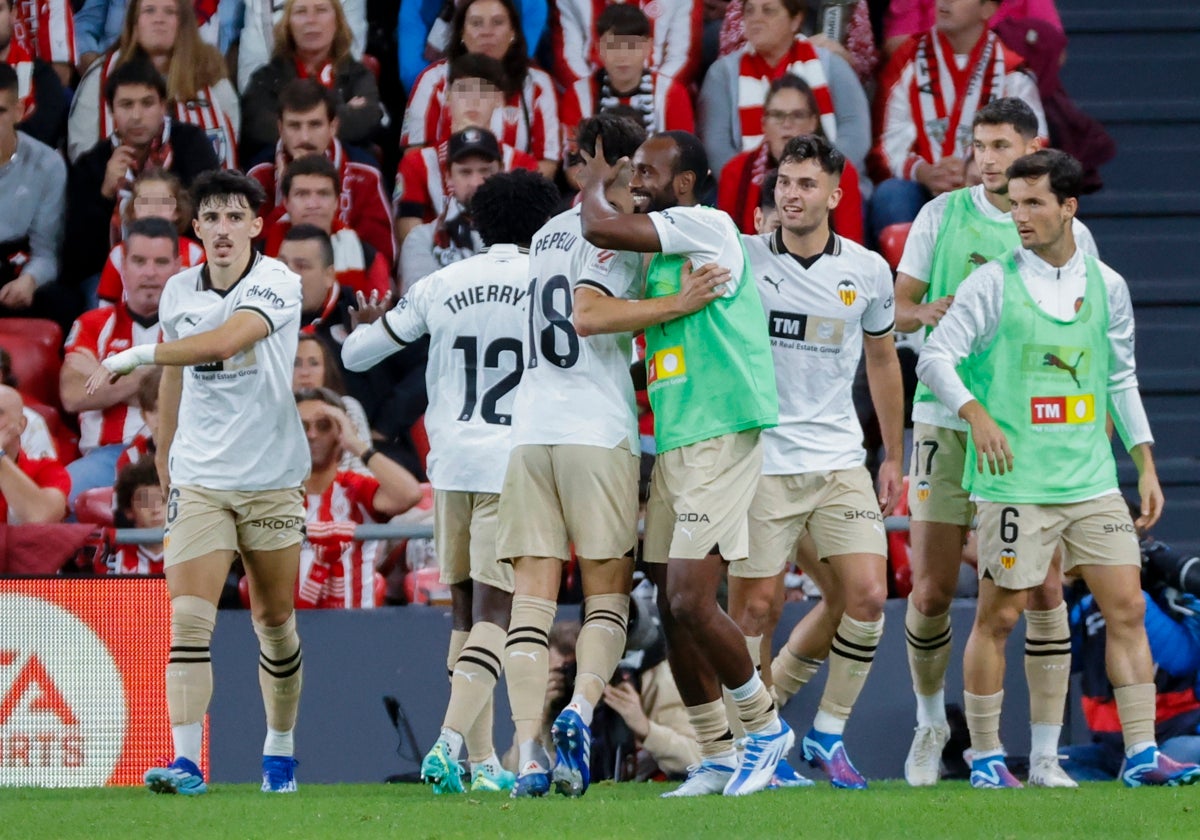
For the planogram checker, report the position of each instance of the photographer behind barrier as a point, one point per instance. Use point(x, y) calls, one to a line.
point(640, 730)
point(1171, 588)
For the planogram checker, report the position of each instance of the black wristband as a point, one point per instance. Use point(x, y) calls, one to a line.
point(370, 453)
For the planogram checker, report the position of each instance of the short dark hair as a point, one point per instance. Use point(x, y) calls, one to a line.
point(814, 147)
point(302, 95)
point(225, 183)
point(1066, 175)
point(478, 66)
point(691, 158)
point(766, 199)
point(623, 19)
point(312, 233)
point(1008, 110)
point(315, 164)
point(8, 76)
point(154, 228)
point(620, 136)
point(136, 71)
point(509, 207)
point(139, 473)
point(324, 395)
point(7, 377)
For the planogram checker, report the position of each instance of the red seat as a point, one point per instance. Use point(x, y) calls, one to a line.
point(44, 332)
point(891, 242)
point(420, 439)
point(95, 506)
point(66, 442)
point(34, 365)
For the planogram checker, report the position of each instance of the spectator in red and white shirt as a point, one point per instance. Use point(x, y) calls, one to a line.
point(110, 419)
point(528, 119)
point(423, 179)
point(308, 124)
point(675, 31)
point(31, 491)
point(43, 98)
point(335, 570)
point(156, 193)
point(310, 197)
point(138, 500)
point(625, 78)
point(46, 29)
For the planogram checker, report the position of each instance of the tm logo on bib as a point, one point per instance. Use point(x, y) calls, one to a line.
point(1056, 410)
point(666, 364)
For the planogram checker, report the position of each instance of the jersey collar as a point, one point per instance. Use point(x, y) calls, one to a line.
point(205, 284)
point(832, 248)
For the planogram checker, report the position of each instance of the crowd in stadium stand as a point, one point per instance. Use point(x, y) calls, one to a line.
point(109, 110)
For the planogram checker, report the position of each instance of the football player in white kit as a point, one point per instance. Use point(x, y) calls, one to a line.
point(573, 472)
point(231, 444)
point(474, 313)
point(829, 302)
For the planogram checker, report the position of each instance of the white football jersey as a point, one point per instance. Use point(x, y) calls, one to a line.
point(575, 390)
point(474, 314)
point(238, 425)
point(817, 314)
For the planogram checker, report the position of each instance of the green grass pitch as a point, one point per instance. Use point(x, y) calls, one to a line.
point(411, 812)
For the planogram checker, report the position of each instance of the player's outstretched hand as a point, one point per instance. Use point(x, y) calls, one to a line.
point(991, 446)
point(930, 313)
point(1151, 494)
point(699, 287)
point(119, 364)
point(891, 486)
point(596, 168)
point(369, 309)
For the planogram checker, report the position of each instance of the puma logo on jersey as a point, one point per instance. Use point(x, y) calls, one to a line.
point(1051, 360)
point(775, 283)
point(687, 531)
point(977, 258)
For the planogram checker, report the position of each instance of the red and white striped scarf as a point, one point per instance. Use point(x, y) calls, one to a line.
point(203, 112)
point(324, 74)
point(944, 98)
point(22, 62)
point(754, 81)
point(340, 571)
point(160, 155)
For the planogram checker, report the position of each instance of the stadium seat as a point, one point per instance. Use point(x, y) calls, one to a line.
point(95, 506)
point(425, 587)
point(66, 441)
point(44, 332)
point(420, 439)
point(898, 547)
point(34, 365)
point(891, 242)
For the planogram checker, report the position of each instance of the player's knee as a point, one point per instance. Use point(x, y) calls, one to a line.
point(932, 596)
point(192, 621)
point(689, 607)
point(866, 603)
point(755, 614)
point(1047, 596)
point(273, 616)
point(998, 621)
point(1125, 614)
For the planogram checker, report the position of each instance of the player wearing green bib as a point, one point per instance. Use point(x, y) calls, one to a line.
point(1044, 338)
point(711, 381)
point(952, 236)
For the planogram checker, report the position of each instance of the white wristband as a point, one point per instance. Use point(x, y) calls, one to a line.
point(130, 360)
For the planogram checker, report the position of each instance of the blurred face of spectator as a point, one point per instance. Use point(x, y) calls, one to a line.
point(488, 29)
point(472, 102)
point(150, 418)
point(313, 24)
point(770, 28)
point(307, 132)
point(10, 114)
point(316, 279)
point(996, 147)
point(309, 369)
point(157, 26)
point(955, 17)
point(146, 508)
point(149, 263)
point(321, 429)
point(312, 200)
point(12, 420)
point(787, 114)
point(155, 200)
point(138, 114)
point(624, 57)
point(804, 196)
point(466, 175)
point(226, 226)
point(5, 26)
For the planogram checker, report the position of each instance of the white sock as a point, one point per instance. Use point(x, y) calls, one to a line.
point(533, 751)
point(491, 764)
point(1043, 739)
point(278, 743)
point(931, 709)
point(187, 738)
point(452, 740)
point(747, 690)
point(583, 708)
point(827, 723)
point(1130, 752)
point(975, 756)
